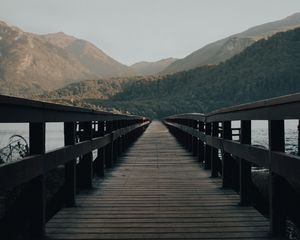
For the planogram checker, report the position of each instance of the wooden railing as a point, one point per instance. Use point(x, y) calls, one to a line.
point(206, 134)
point(84, 131)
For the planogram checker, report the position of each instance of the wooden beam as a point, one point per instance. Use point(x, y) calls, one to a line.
point(70, 167)
point(85, 169)
point(246, 184)
point(214, 151)
point(277, 183)
point(37, 187)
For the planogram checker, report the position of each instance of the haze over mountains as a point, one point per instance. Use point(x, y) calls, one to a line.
point(224, 49)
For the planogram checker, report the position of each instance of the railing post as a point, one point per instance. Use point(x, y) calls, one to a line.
point(109, 148)
point(70, 167)
point(207, 151)
point(201, 143)
point(214, 151)
point(37, 189)
point(277, 183)
point(121, 125)
point(190, 137)
point(99, 161)
point(86, 163)
point(228, 164)
point(245, 167)
point(116, 147)
point(195, 139)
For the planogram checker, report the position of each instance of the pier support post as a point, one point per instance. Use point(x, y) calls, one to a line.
point(70, 167)
point(37, 201)
point(276, 182)
point(246, 184)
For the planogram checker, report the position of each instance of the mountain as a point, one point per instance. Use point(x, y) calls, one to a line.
point(268, 68)
point(31, 64)
point(91, 57)
point(152, 68)
point(222, 50)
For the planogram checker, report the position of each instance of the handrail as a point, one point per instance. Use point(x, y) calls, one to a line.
point(284, 107)
point(201, 134)
point(25, 110)
point(85, 130)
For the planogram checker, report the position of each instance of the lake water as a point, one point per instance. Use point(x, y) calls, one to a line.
point(55, 139)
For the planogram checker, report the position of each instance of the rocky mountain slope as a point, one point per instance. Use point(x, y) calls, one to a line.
point(31, 63)
point(91, 57)
point(220, 51)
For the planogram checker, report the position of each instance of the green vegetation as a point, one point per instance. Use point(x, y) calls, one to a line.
point(266, 69)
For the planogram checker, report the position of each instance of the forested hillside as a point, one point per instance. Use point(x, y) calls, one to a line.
point(268, 68)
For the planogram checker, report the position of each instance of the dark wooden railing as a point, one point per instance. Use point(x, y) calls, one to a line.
point(84, 131)
point(206, 134)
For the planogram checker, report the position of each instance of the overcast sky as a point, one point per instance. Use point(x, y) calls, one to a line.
point(144, 30)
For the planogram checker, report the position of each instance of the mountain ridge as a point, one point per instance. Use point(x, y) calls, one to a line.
point(32, 64)
point(223, 49)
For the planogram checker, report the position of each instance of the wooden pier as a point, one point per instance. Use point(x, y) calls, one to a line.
point(158, 191)
point(187, 177)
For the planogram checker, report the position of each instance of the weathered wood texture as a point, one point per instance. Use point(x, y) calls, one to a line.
point(158, 190)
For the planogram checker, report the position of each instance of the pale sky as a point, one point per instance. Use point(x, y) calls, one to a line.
point(144, 30)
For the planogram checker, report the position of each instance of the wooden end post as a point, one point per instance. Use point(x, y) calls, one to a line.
point(37, 139)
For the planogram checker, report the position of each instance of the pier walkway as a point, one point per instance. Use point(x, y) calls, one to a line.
point(157, 190)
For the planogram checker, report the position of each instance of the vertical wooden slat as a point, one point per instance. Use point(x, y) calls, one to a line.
point(228, 168)
point(70, 167)
point(85, 164)
point(121, 125)
point(207, 151)
point(109, 148)
point(195, 139)
point(245, 167)
point(214, 151)
point(201, 144)
point(276, 183)
point(99, 161)
point(37, 138)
